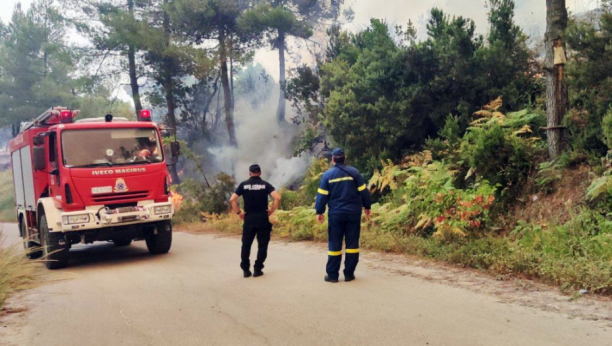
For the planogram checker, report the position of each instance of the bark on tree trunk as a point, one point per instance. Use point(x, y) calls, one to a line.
point(171, 122)
point(134, 79)
point(557, 102)
point(231, 70)
point(280, 111)
point(227, 92)
point(132, 67)
point(169, 88)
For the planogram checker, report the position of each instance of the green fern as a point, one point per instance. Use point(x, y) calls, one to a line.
point(600, 187)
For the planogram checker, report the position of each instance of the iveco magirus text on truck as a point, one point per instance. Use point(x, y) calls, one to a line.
point(99, 179)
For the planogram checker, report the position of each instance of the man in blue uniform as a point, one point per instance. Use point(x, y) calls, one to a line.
point(344, 191)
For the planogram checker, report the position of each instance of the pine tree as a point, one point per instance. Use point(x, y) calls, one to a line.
point(120, 33)
point(279, 22)
point(207, 21)
point(35, 66)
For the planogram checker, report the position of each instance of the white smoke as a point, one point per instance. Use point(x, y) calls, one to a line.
point(262, 141)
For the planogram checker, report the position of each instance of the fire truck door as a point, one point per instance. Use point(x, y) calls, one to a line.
point(23, 176)
point(54, 179)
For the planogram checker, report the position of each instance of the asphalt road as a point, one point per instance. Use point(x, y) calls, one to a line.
point(195, 295)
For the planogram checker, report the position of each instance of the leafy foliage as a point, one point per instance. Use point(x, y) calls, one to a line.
point(502, 149)
point(396, 93)
point(200, 197)
point(590, 76)
point(422, 199)
point(549, 173)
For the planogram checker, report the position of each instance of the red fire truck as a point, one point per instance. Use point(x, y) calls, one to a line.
point(98, 179)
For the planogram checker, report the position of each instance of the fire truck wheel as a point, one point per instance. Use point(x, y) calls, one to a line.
point(162, 241)
point(122, 242)
point(55, 254)
point(32, 250)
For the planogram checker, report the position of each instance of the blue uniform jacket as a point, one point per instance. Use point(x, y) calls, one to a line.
point(344, 192)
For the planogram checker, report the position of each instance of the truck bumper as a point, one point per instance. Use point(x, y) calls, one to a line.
point(97, 217)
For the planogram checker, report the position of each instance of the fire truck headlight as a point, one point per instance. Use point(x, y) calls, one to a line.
point(74, 219)
point(162, 210)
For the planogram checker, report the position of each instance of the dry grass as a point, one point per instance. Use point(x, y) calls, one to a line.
point(17, 272)
point(7, 198)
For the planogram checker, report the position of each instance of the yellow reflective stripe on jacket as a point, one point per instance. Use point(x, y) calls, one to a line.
point(323, 192)
point(335, 253)
point(362, 187)
point(352, 250)
point(340, 179)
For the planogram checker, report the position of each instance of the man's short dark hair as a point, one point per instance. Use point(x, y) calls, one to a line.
point(339, 159)
point(255, 169)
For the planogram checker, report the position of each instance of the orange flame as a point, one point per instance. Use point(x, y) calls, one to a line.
point(177, 200)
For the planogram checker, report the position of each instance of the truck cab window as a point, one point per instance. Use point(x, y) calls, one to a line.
point(111, 147)
point(53, 149)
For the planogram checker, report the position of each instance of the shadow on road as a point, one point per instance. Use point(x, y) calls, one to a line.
point(107, 254)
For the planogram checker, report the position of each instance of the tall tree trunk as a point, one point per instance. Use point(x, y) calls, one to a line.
point(231, 69)
point(132, 67)
point(169, 88)
point(134, 79)
point(280, 111)
point(557, 102)
point(227, 92)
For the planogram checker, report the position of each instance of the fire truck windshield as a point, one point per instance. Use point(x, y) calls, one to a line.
point(110, 147)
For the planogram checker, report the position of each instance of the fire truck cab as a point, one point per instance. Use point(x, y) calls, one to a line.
point(80, 181)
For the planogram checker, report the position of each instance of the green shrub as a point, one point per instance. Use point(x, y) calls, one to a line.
point(606, 127)
point(199, 197)
point(549, 173)
point(503, 149)
point(422, 199)
point(291, 199)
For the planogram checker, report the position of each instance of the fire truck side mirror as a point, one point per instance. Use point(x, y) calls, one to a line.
point(39, 139)
point(39, 158)
point(175, 149)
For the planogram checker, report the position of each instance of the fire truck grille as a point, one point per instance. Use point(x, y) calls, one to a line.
point(120, 197)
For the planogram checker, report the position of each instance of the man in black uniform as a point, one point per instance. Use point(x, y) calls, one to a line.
point(255, 193)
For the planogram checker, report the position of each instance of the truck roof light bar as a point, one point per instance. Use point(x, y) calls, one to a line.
point(66, 117)
point(145, 115)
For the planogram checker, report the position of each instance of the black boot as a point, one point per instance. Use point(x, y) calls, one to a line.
point(328, 279)
point(349, 277)
point(258, 272)
point(247, 273)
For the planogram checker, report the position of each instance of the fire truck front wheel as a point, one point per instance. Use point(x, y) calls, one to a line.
point(160, 240)
point(55, 247)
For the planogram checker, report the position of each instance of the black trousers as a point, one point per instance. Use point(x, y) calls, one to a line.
point(256, 225)
point(343, 227)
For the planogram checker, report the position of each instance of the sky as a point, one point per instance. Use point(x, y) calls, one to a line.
point(7, 6)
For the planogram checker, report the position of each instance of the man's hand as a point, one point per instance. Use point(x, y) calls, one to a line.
point(368, 212)
point(321, 218)
point(277, 199)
